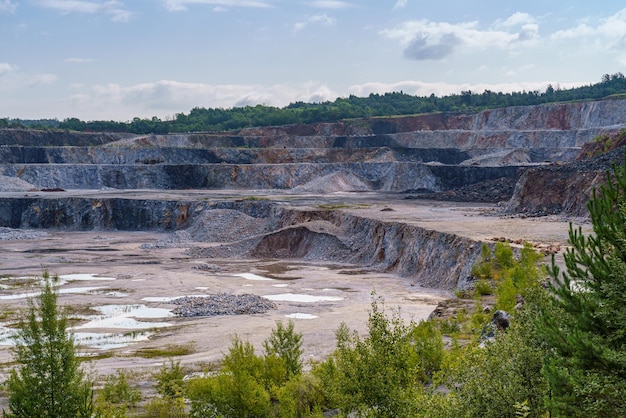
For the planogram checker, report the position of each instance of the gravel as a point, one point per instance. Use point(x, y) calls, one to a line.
point(7, 234)
point(14, 184)
point(222, 304)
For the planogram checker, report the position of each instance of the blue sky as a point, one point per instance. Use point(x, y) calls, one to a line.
point(119, 59)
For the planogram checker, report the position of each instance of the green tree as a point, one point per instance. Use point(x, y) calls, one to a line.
point(286, 344)
point(380, 375)
point(237, 391)
point(585, 323)
point(48, 380)
point(117, 398)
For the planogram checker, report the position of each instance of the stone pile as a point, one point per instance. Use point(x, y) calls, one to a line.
point(7, 234)
point(221, 304)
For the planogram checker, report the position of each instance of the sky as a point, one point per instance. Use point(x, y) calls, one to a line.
point(120, 59)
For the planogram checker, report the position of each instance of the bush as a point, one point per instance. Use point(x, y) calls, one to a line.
point(117, 398)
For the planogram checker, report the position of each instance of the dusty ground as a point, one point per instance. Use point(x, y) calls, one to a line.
point(146, 276)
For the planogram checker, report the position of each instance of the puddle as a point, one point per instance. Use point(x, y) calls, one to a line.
point(299, 315)
point(72, 290)
point(108, 341)
point(83, 276)
point(280, 285)
point(124, 317)
point(294, 297)
point(252, 276)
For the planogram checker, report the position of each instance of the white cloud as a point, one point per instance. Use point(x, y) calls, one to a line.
point(606, 35)
point(221, 5)
point(614, 27)
point(112, 8)
point(167, 97)
point(6, 68)
point(7, 6)
point(322, 19)
point(400, 4)
point(331, 4)
point(14, 79)
point(518, 19)
point(428, 40)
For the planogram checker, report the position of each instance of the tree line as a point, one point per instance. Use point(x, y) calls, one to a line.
point(201, 119)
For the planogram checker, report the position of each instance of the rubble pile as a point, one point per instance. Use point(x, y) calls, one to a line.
point(221, 304)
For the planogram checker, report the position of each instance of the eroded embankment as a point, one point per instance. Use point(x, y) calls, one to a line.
point(260, 229)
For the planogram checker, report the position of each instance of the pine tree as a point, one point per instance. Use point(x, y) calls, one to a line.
point(585, 323)
point(48, 381)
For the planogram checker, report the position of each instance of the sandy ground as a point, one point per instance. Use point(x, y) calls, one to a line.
point(149, 276)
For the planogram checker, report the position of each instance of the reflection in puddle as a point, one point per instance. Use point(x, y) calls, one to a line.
point(108, 341)
point(299, 315)
point(123, 316)
point(280, 285)
point(294, 297)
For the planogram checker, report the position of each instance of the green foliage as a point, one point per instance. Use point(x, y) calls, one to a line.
point(489, 381)
point(482, 288)
point(117, 398)
point(237, 391)
point(286, 344)
point(164, 408)
point(301, 396)
point(382, 374)
point(505, 275)
point(48, 380)
point(585, 321)
point(169, 380)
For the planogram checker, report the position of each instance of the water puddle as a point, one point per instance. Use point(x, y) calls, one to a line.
point(72, 290)
point(252, 276)
point(299, 315)
point(83, 276)
point(108, 341)
point(294, 297)
point(125, 317)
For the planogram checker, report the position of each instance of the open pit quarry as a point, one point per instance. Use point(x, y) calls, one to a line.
point(313, 218)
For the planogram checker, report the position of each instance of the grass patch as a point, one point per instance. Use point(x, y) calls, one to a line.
point(168, 351)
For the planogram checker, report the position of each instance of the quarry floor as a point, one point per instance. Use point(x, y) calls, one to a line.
point(318, 297)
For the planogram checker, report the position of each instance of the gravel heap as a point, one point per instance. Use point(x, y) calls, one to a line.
point(8, 234)
point(221, 304)
point(225, 225)
point(14, 184)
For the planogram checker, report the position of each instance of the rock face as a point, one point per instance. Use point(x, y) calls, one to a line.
point(265, 230)
point(430, 152)
point(447, 156)
point(562, 189)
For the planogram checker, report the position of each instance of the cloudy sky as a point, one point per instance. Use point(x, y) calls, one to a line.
point(119, 59)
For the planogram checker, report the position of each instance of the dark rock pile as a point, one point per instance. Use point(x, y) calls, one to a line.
point(488, 191)
point(221, 304)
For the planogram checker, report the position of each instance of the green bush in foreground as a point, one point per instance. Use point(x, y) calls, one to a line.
point(48, 380)
point(587, 368)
